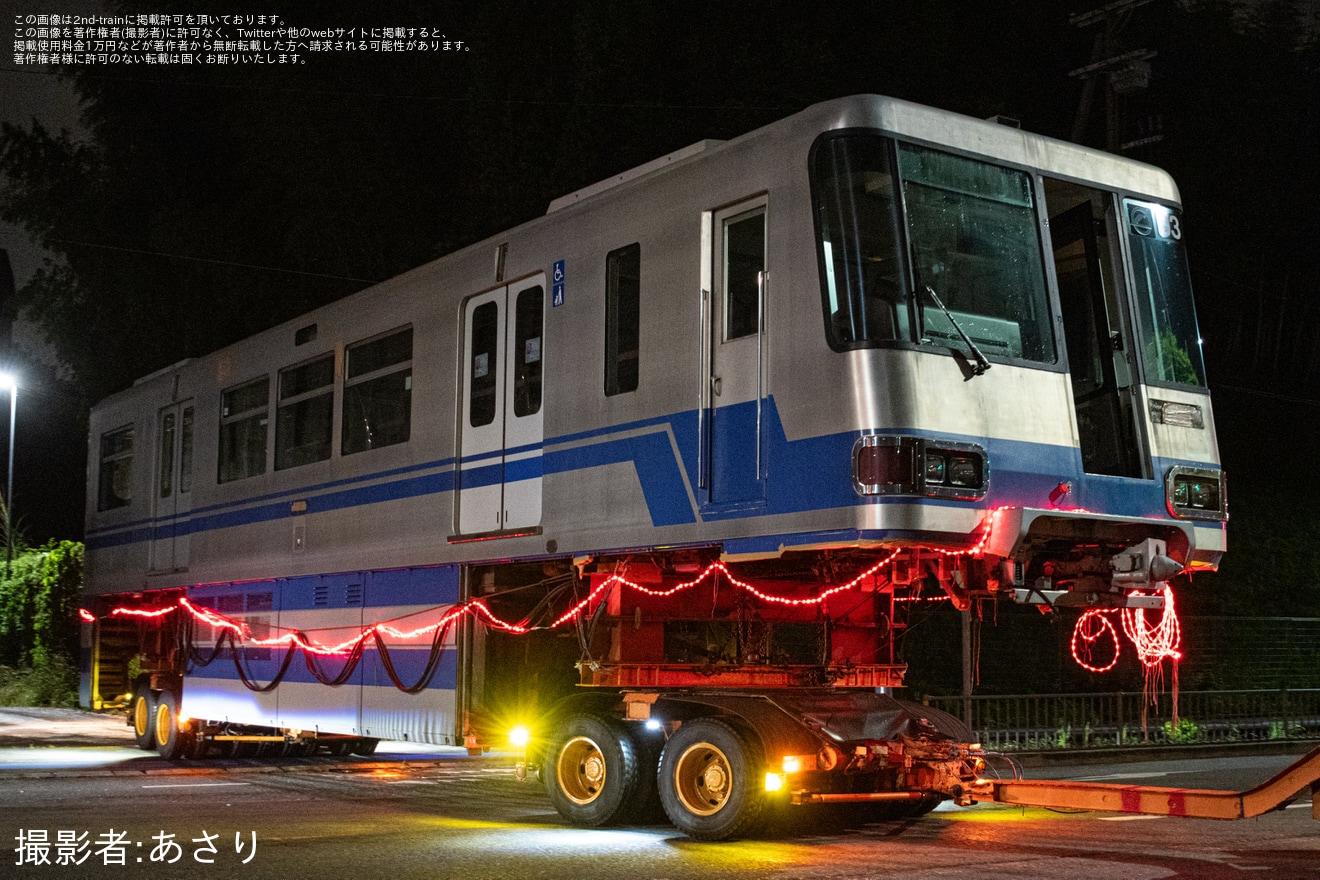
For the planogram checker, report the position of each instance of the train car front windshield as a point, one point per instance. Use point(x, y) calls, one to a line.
point(900, 226)
point(903, 227)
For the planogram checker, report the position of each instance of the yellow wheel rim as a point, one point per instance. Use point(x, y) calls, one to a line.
point(164, 724)
point(141, 716)
point(703, 779)
point(580, 770)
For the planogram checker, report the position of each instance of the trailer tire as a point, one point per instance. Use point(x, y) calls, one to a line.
point(171, 742)
point(142, 716)
point(708, 780)
point(591, 771)
point(366, 747)
point(946, 723)
point(339, 748)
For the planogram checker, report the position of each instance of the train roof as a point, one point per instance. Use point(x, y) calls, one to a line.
point(890, 116)
point(918, 122)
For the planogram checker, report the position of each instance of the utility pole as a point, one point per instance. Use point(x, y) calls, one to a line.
point(1119, 73)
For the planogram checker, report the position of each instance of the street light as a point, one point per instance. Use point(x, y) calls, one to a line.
point(8, 381)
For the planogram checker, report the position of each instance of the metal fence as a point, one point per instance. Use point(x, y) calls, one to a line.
point(1082, 721)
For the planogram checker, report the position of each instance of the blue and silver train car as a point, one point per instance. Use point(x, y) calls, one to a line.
point(634, 443)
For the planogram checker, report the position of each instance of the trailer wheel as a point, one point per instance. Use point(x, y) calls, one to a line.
point(339, 748)
point(708, 780)
point(171, 742)
point(366, 747)
point(946, 723)
point(143, 718)
point(591, 771)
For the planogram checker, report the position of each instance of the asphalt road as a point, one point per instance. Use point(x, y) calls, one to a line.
point(439, 817)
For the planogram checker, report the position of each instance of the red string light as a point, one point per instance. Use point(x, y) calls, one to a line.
point(1090, 627)
point(478, 610)
point(138, 612)
point(481, 612)
point(1154, 643)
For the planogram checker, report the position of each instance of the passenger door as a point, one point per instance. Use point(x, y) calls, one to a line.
point(172, 495)
point(1098, 340)
point(735, 385)
point(500, 421)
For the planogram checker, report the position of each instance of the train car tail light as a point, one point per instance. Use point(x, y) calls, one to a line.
point(889, 465)
point(884, 465)
point(1196, 493)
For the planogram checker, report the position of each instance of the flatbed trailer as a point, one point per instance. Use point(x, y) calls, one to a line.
point(1190, 803)
point(654, 481)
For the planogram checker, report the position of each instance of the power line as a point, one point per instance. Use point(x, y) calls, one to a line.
point(1216, 386)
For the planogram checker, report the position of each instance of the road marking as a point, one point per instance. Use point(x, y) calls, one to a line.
point(195, 784)
point(1127, 818)
point(1151, 775)
point(409, 782)
point(1298, 807)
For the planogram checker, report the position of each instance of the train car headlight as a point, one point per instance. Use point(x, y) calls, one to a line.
point(1196, 493)
point(935, 465)
point(965, 471)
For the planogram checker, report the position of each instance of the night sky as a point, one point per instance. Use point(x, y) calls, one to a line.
point(195, 205)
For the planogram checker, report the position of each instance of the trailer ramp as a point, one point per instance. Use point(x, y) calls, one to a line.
point(1155, 801)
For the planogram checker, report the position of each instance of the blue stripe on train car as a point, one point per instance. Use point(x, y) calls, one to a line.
point(812, 473)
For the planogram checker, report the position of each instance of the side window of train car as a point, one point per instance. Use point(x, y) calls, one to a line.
point(115, 478)
point(378, 392)
point(244, 416)
point(623, 294)
point(303, 422)
point(858, 216)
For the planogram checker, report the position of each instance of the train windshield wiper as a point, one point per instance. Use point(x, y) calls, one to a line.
point(981, 363)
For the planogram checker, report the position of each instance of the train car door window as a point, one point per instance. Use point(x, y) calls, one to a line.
point(501, 425)
point(1096, 329)
point(172, 501)
point(737, 380)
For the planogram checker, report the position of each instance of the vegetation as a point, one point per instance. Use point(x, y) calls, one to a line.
point(1185, 731)
point(39, 626)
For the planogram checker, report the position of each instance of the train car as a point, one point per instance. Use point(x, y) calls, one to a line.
point(656, 476)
